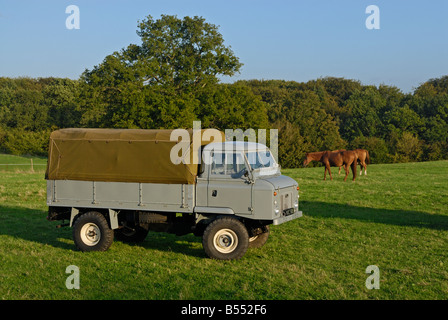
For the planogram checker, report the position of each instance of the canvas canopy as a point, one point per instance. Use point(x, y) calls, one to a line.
point(126, 155)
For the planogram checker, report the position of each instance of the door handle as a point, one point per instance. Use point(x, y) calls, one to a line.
point(214, 193)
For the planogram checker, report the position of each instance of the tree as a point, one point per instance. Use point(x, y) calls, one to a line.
point(157, 84)
point(291, 148)
point(175, 53)
point(403, 118)
point(188, 52)
point(61, 98)
point(363, 118)
point(406, 147)
point(232, 106)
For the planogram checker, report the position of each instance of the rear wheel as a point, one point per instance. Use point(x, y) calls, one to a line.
point(91, 232)
point(225, 239)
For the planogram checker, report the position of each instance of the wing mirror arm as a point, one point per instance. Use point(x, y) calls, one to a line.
point(248, 176)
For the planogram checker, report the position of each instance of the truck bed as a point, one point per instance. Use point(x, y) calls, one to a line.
point(121, 195)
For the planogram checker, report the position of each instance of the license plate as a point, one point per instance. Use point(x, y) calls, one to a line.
point(288, 212)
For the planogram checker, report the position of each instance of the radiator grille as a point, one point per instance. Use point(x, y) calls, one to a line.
point(286, 201)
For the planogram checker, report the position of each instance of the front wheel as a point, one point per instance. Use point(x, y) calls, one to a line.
point(91, 232)
point(225, 239)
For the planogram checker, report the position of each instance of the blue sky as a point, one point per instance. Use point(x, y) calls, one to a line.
point(290, 40)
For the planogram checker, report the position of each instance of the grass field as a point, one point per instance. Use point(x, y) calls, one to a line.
point(395, 218)
point(12, 163)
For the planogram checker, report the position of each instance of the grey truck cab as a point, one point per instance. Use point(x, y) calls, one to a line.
point(121, 183)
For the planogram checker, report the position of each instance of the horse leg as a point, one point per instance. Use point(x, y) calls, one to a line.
point(354, 169)
point(329, 172)
point(327, 167)
point(346, 171)
point(340, 170)
point(363, 165)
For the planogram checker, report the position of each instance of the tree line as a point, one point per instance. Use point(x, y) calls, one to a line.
point(172, 79)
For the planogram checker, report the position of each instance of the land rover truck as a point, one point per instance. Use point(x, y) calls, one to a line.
point(123, 183)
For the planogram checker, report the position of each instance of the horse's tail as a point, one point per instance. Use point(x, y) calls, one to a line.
point(367, 157)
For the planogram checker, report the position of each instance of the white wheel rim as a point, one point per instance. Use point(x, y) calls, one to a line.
point(225, 241)
point(90, 234)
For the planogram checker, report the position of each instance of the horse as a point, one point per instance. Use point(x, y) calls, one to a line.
point(334, 159)
point(339, 172)
point(363, 157)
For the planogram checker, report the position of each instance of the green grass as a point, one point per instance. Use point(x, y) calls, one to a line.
point(9, 162)
point(395, 218)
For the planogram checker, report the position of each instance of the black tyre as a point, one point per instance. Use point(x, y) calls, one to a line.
point(259, 240)
point(225, 239)
point(91, 232)
point(135, 235)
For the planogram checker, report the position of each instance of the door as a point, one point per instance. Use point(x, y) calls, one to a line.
point(228, 187)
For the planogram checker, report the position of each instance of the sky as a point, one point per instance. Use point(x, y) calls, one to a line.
point(288, 40)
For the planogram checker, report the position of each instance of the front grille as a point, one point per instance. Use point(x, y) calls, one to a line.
point(287, 197)
point(286, 201)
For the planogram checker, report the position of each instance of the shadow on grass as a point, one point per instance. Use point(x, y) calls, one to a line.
point(386, 216)
point(187, 244)
point(32, 225)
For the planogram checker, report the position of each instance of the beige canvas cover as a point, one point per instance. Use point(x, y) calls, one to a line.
point(123, 155)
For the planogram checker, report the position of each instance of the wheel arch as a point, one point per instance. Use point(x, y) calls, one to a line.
point(110, 215)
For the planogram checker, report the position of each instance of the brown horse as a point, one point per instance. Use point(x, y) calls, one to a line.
point(334, 159)
point(363, 158)
point(318, 154)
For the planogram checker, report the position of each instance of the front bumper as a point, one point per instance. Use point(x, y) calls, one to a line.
point(284, 219)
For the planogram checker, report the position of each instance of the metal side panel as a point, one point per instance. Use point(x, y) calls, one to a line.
point(50, 188)
point(121, 195)
point(118, 192)
point(167, 196)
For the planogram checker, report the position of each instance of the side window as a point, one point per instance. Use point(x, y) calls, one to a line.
point(235, 165)
point(228, 164)
point(218, 161)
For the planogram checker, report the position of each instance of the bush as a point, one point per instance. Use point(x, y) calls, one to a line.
point(405, 147)
point(435, 151)
point(21, 142)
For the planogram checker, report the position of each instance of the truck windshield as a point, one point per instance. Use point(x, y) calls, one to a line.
point(260, 159)
point(262, 162)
